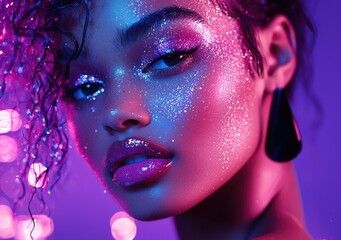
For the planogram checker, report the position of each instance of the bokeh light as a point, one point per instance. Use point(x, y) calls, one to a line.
point(10, 120)
point(8, 149)
point(123, 226)
point(36, 175)
point(42, 227)
point(6, 222)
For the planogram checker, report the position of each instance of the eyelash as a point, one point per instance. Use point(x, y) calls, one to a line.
point(86, 87)
point(179, 55)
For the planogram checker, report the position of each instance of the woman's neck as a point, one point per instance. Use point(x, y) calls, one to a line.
point(246, 205)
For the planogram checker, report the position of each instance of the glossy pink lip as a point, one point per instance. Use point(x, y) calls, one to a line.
point(137, 162)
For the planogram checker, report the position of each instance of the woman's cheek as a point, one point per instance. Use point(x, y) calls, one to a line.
point(224, 128)
point(170, 104)
point(239, 132)
point(85, 130)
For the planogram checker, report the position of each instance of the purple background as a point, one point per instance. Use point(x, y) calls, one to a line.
point(81, 209)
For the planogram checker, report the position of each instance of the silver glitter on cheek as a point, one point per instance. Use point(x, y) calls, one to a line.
point(173, 101)
point(237, 138)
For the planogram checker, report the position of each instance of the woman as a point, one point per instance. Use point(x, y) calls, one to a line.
point(169, 103)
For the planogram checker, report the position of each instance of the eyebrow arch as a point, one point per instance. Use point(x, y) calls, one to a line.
point(141, 27)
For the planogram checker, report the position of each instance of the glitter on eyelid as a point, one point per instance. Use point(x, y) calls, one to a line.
point(204, 32)
point(84, 78)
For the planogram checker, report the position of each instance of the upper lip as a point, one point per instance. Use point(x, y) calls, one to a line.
point(120, 151)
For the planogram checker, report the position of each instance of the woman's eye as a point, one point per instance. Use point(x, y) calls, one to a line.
point(87, 87)
point(169, 60)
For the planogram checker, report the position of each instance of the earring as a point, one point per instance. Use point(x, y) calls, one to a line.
point(283, 140)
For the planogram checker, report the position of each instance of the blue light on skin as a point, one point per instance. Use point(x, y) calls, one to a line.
point(119, 72)
point(113, 112)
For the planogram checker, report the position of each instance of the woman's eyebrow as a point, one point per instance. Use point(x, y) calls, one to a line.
point(139, 28)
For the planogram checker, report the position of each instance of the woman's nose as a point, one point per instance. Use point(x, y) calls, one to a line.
point(124, 113)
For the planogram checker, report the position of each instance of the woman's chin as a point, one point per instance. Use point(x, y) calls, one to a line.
point(142, 214)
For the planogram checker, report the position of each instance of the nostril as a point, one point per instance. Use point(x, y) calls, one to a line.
point(130, 123)
point(109, 129)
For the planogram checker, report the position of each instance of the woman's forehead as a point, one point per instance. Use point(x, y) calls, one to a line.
point(125, 13)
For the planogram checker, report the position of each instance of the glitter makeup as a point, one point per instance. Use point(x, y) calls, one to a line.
point(86, 87)
point(170, 60)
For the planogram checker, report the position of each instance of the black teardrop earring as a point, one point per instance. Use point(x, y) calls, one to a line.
point(283, 140)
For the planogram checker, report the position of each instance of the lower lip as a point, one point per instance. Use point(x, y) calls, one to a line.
point(142, 173)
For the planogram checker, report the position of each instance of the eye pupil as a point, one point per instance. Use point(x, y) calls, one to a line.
point(173, 59)
point(90, 89)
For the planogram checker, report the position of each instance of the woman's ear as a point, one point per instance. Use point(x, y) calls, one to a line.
point(277, 44)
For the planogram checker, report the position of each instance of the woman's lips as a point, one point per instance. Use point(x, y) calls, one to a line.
point(135, 162)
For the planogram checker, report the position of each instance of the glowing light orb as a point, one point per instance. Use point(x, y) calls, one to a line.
point(123, 226)
point(6, 222)
point(42, 228)
point(36, 175)
point(10, 120)
point(8, 149)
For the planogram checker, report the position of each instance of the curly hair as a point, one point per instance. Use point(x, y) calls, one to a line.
point(31, 27)
point(30, 58)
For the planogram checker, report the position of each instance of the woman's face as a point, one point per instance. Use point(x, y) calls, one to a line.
point(163, 104)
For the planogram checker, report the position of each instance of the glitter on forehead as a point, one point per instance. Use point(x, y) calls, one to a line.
point(140, 7)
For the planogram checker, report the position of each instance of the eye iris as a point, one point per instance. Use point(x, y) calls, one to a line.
point(90, 89)
point(173, 59)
